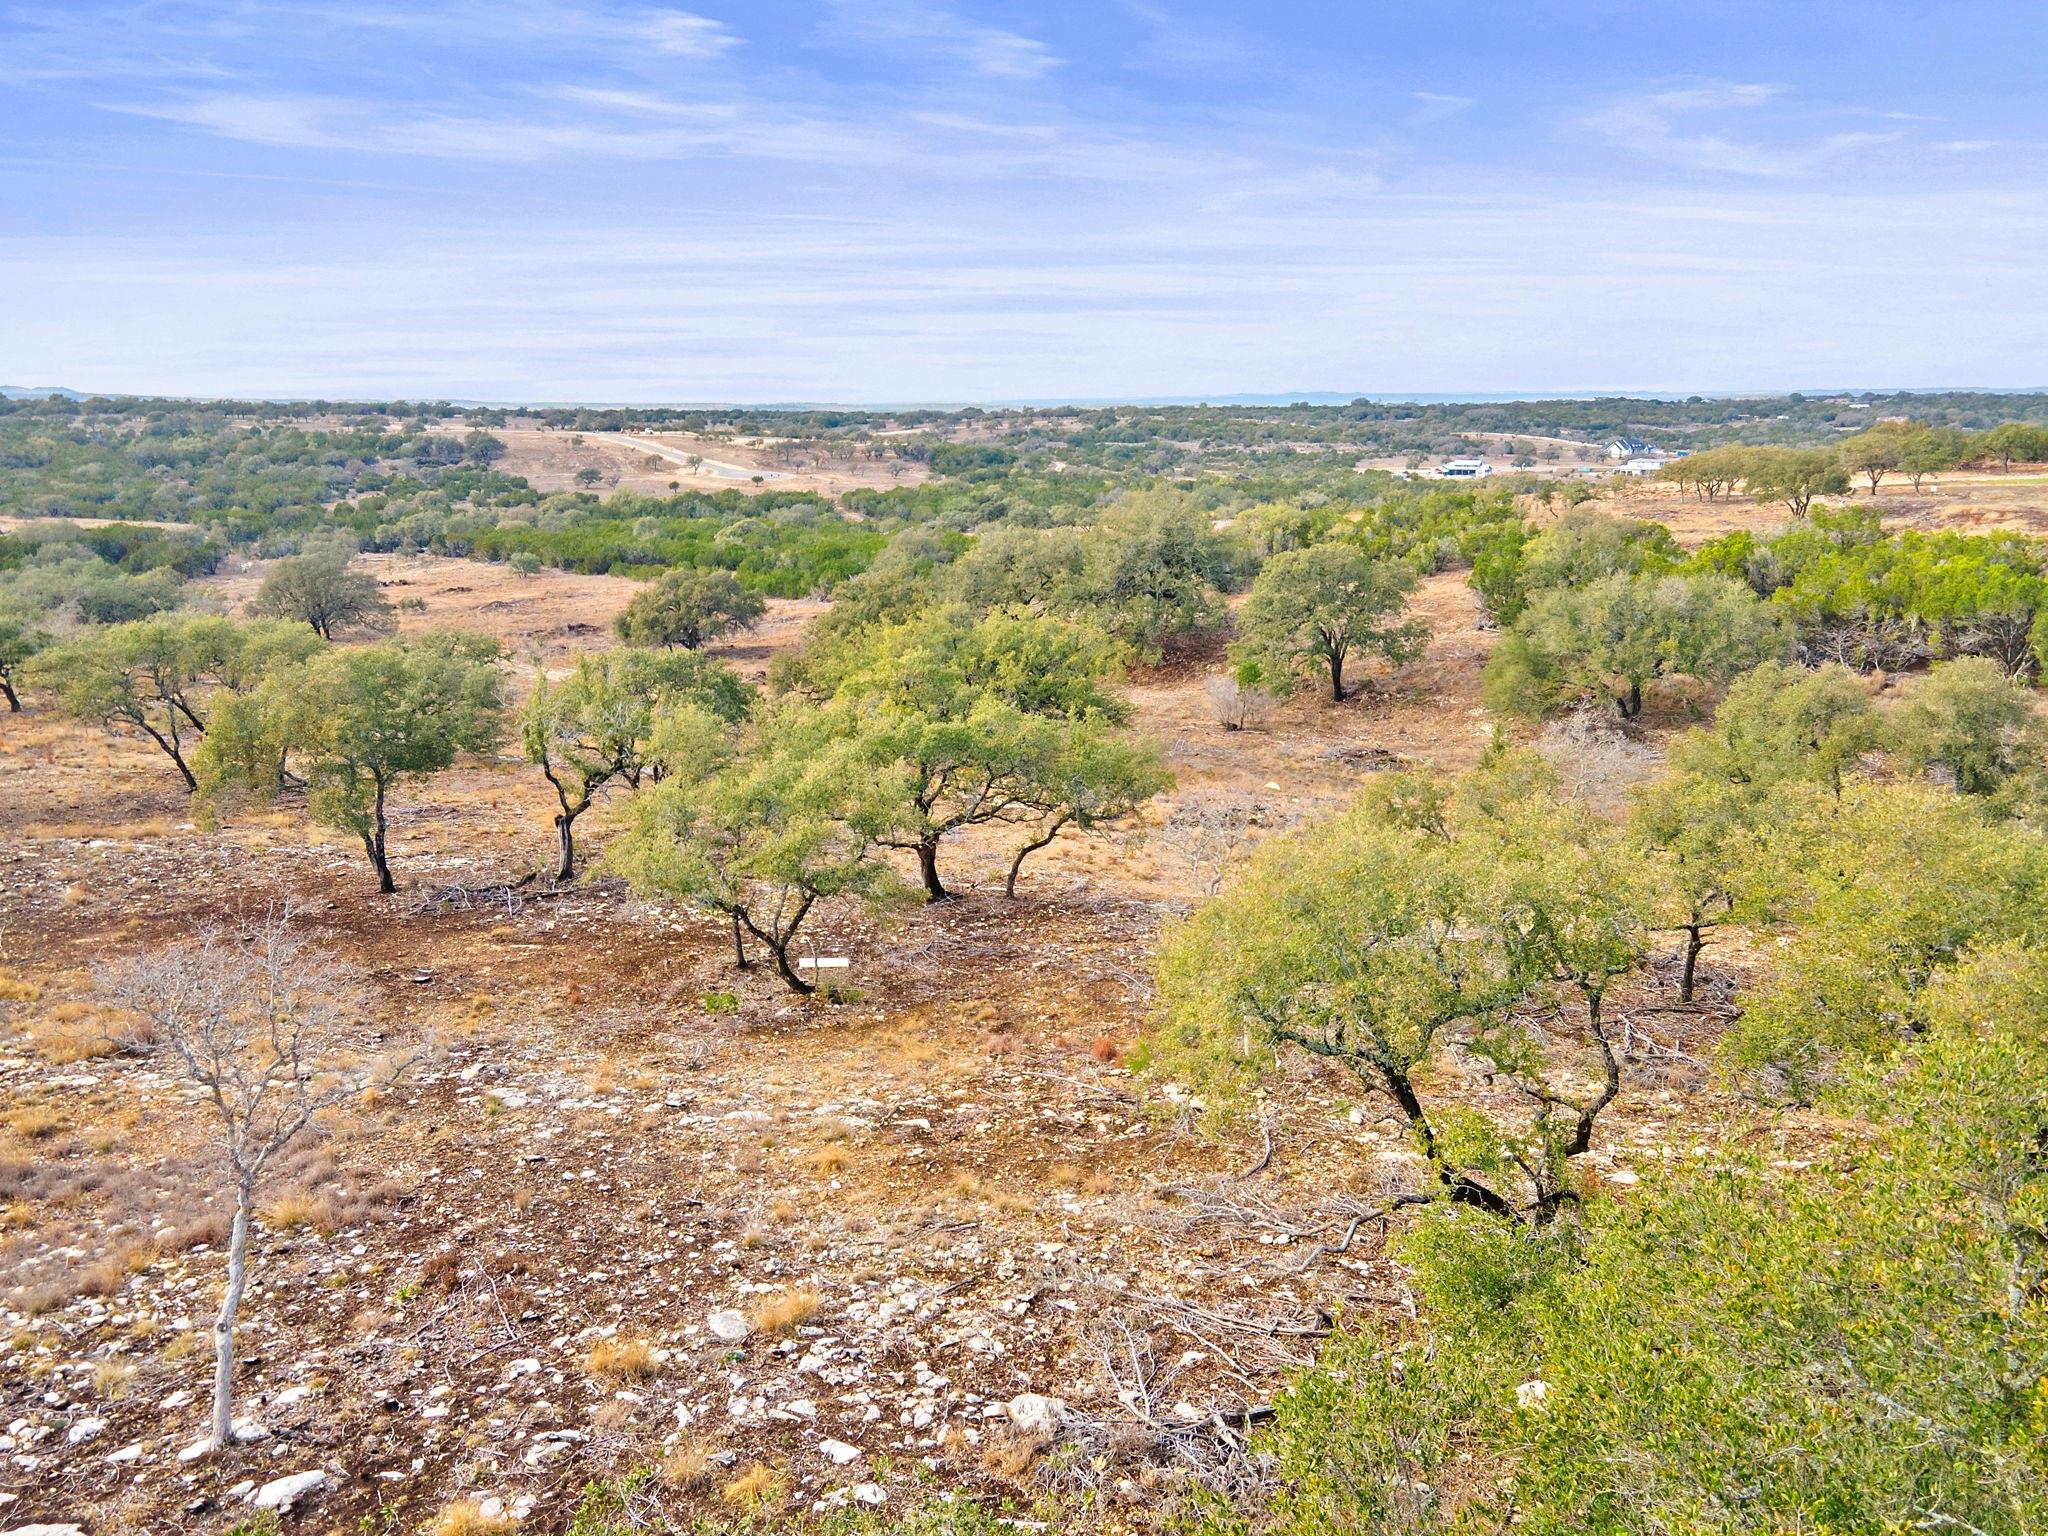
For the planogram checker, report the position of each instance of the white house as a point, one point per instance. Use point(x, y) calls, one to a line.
point(1464, 469)
point(1629, 448)
point(1639, 467)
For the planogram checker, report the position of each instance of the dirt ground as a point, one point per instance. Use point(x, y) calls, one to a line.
point(497, 1280)
point(661, 464)
point(1962, 501)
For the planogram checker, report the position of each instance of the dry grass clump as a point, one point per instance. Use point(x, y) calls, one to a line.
point(72, 1031)
point(787, 1312)
point(611, 1417)
point(754, 1487)
point(827, 1161)
point(209, 1230)
point(466, 1517)
point(38, 1299)
point(112, 1272)
point(62, 1048)
point(19, 1215)
point(1087, 1181)
point(1010, 1453)
point(36, 1121)
point(297, 1208)
point(17, 988)
point(111, 1378)
point(441, 1274)
point(188, 1345)
point(621, 1360)
point(689, 1468)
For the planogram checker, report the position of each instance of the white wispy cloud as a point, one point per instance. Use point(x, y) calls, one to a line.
point(1656, 125)
point(1435, 106)
point(937, 30)
point(298, 121)
point(147, 40)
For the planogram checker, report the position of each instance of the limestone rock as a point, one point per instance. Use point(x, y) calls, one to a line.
point(282, 1493)
point(728, 1325)
point(1036, 1414)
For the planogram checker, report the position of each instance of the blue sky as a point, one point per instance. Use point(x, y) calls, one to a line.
point(890, 200)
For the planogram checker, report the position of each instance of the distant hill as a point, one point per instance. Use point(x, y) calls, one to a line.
point(38, 392)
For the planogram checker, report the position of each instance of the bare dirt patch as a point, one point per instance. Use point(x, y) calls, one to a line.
point(664, 464)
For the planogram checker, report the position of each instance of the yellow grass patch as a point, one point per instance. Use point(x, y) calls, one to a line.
point(688, 1468)
point(621, 1360)
point(466, 1517)
point(752, 1488)
point(36, 1122)
point(786, 1312)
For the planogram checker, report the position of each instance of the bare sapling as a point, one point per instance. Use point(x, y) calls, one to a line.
point(256, 1019)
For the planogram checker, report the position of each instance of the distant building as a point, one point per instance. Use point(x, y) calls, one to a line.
point(1639, 467)
point(1464, 469)
point(1629, 448)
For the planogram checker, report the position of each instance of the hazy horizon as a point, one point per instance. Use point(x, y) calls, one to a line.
point(1238, 401)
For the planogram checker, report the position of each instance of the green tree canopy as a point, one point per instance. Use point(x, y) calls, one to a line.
point(159, 677)
point(322, 590)
point(759, 822)
point(1095, 778)
point(941, 660)
point(1794, 476)
point(1781, 722)
point(1975, 723)
point(597, 725)
point(1852, 1344)
point(934, 775)
point(1581, 547)
point(2021, 440)
point(1874, 453)
point(1396, 941)
point(1873, 893)
point(1609, 640)
point(1312, 610)
point(363, 721)
point(688, 608)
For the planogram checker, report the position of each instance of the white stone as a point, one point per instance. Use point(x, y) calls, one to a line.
point(728, 1325)
point(282, 1493)
point(838, 1452)
point(1530, 1394)
point(1035, 1413)
point(870, 1493)
point(126, 1454)
point(247, 1431)
point(84, 1430)
point(45, 1530)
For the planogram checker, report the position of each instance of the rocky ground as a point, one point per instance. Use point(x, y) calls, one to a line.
point(632, 1216)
